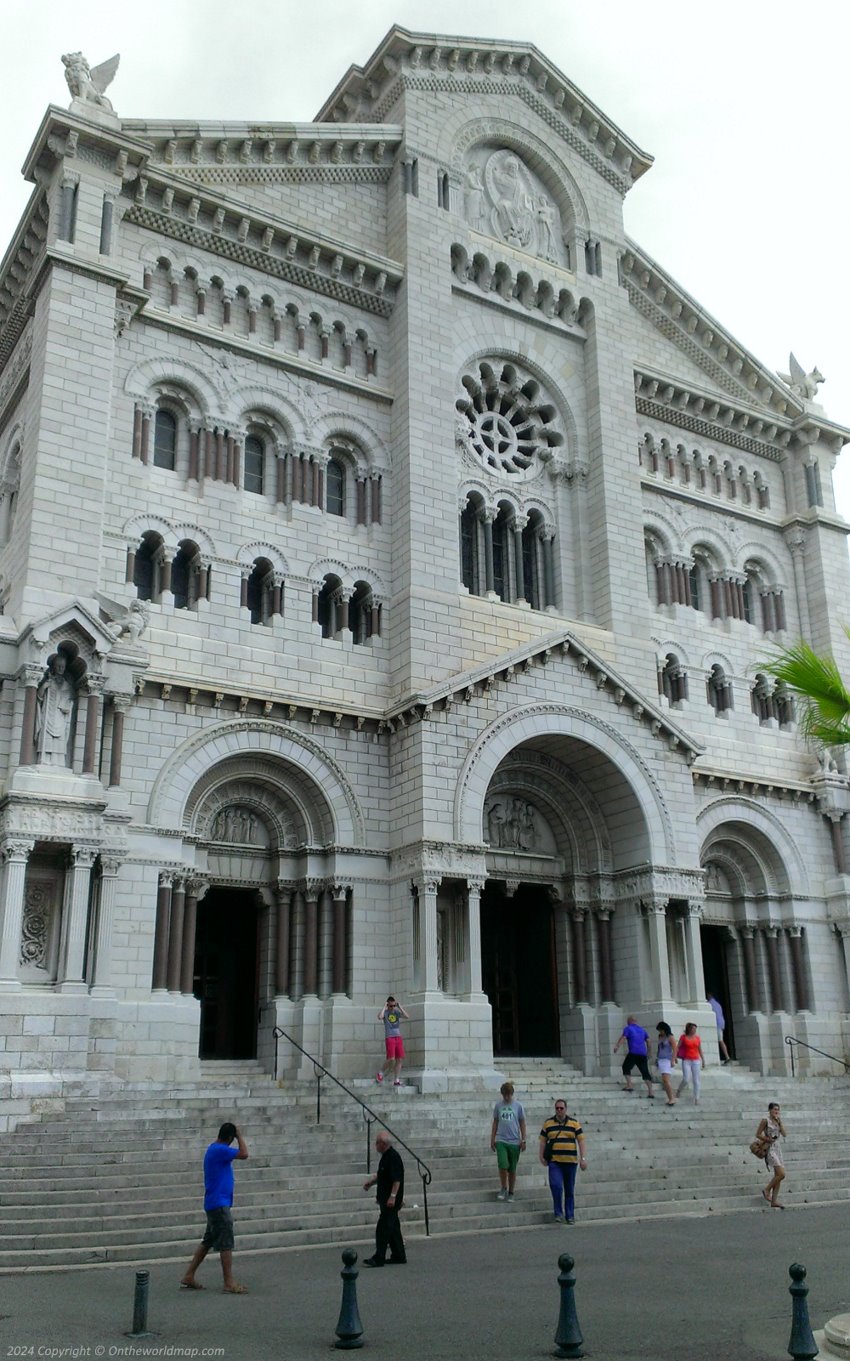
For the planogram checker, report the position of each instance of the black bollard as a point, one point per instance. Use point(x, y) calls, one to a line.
point(349, 1329)
point(140, 1306)
point(568, 1337)
point(801, 1344)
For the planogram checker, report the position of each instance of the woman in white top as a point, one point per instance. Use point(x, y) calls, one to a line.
point(771, 1130)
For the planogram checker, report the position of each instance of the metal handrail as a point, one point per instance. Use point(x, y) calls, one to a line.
point(371, 1117)
point(791, 1040)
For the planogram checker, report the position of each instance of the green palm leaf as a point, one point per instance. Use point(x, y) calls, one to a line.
point(817, 685)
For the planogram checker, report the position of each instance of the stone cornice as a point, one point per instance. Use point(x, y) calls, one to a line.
point(64, 135)
point(731, 423)
point(249, 153)
point(561, 645)
point(203, 218)
point(727, 363)
point(753, 786)
point(406, 60)
point(16, 272)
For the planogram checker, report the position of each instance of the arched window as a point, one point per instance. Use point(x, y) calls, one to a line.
point(719, 690)
point(695, 585)
point(362, 613)
point(673, 680)
point(261, 595)
point(329, 607)
point(502, 540)
point(147, 566)
point(335, 487)
point(255, 459)
point(189, 579)
point(471, 573)
point(165, 440)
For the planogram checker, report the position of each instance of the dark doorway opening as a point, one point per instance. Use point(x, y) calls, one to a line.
point(226, 974)
point(519, 972)
point(715, 944)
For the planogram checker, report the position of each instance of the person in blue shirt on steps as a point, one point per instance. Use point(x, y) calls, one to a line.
point(218, 1199)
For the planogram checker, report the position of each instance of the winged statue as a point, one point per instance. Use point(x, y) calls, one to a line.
point(124, 621)
point(88, 83)
point(802, 384)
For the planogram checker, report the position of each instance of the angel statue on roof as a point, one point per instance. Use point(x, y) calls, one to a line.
point(88, 83)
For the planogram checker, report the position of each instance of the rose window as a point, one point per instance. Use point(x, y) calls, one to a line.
point(509, 424)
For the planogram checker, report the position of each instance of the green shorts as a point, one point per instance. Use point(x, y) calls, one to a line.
point(507, 1156)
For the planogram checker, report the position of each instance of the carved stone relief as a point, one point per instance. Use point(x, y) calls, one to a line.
point(504, 199)
point(40, 928)
point(512, 823)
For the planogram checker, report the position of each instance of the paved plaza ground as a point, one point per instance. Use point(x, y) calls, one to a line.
point(686, 1289)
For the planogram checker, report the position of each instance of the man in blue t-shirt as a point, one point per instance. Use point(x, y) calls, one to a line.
point(636, 1040)
point(218, 1198)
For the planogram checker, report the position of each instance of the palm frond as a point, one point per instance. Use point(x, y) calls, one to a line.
point(816, 683)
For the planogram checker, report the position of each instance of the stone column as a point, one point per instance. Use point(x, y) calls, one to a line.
point(15, 855)
point(579, 968)
point(606, 963)
point(174, 967)
point(339, 953)
point(120, 707)
point(837, 834)
point(750, 973)
point(284, 896)
point(693, 951)
point(30, 675)
point(102, 972)
point(798, 968)
point(474, 889)
point(487, 518)
point(656, 914)
point(776, 993)
point(548, 541)
point(311, 938)
point(195, 890)
point(159, 975)
point(75, 920)
point(94, 688)
point(518, 526)
point(428, 887)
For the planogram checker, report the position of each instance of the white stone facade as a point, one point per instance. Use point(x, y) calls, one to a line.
point(411, 545)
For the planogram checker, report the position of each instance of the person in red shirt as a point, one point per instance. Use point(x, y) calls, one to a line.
point(690, 1052)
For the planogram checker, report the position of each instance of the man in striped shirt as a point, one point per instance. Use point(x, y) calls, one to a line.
point(562, 1150)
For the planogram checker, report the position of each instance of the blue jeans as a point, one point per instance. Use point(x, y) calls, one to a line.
point(562, 1184)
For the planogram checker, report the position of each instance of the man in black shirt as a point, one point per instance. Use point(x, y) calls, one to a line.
point(389, 1179)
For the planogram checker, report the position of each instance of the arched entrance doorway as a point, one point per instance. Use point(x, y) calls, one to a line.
point(562, 823)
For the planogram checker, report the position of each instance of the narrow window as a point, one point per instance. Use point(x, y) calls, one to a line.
point(255, 457)
point(164, 440)
point(335, 488)
point(469, 549)
point(147, 566)
point(360, 613)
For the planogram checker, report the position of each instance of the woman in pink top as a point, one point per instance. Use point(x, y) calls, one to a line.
point(690, 1052)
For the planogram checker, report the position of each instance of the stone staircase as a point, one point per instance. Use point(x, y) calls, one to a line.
point(118, 1178)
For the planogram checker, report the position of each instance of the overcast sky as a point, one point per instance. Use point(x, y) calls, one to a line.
point(743, 105)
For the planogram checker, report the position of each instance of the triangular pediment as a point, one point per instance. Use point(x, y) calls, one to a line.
point(563, 648)
point(73, 618)
point(475, 66)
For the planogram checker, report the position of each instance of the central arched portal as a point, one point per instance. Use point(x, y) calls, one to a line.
point(562, 823)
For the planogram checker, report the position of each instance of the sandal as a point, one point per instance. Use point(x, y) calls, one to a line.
point(191, 1285)
point(766, 1195)
point(235, 1289)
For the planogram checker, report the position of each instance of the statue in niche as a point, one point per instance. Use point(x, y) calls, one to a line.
point(528, 836)
point(712, 879)
point(88, 83)
point(56, 704)
point(513, 211)
point(475, 200)
point(235, 824)
point(495, 824)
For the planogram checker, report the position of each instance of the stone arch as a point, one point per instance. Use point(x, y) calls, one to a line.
point(763, 558)
point(250, 551)
point(460, 134)
point(570, 808)
point(143, 381)
point(351, 429)
point(296, 756)
point(637, 788)
point(746, 823)
point(666, 646)
point(257, 403)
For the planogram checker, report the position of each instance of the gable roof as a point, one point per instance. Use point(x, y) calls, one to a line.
point(434, 61)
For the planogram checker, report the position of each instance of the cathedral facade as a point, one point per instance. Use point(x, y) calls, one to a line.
point(390, 553)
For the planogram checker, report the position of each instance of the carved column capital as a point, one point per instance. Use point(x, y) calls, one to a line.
point(16, 851)
point(83, 857)
point(110, 864)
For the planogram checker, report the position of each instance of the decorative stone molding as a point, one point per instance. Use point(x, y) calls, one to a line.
point(16, 280)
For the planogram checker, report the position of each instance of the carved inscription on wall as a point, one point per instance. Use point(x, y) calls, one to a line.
point(503, 198)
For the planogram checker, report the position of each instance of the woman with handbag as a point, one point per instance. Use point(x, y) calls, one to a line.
point(769, 1132)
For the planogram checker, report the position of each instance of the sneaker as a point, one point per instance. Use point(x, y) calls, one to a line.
point(502, 1195)
point(397, 1083)
point(510, 1197)
point(559, 1219)
point(570, 1220)
point(379, 1077)
point(372, 1261)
